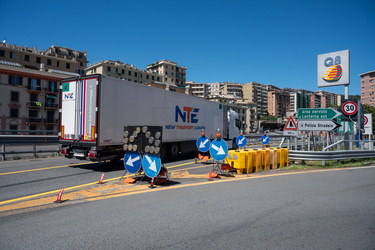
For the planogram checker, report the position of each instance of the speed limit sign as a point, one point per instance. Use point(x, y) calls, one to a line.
point(349, 108)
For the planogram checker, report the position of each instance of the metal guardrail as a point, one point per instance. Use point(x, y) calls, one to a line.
point(330, 155)
point(34, 153)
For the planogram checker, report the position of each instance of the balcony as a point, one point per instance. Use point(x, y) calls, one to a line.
point(49, 121)
point(34, 89)
point(33, 120)
point(52, 91)
point(51, 106)
point(33, 105)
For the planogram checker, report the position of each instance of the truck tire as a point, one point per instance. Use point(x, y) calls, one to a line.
point(174, 150)
point(163, 152)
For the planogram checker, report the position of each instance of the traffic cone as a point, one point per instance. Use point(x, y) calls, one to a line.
point(101, 179)
point(209, 176)
point(152, 183)
point(59, 196)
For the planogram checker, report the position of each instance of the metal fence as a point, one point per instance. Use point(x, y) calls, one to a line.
point(8, 152)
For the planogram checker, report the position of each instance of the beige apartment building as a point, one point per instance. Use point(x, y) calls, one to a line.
point(29, 83)
point(368, 88)
point(256, 93)
point(169, 71)
point(163, 74)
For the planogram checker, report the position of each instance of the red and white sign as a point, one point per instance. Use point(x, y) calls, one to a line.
point(291, 124)
point(349, 108)
point(368, 124)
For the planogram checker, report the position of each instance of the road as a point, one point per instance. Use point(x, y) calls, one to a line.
point(322, 209)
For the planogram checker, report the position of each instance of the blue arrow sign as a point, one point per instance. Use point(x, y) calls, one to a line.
point(241, 141)
point(203, 143)
point(265, 139)
point(132, 162)
point(151, 165)
point(218, 149)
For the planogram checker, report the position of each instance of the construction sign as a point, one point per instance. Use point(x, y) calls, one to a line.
point(291, 124)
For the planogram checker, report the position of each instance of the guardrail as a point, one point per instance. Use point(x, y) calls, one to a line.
point(330, 155)
point(34, 153)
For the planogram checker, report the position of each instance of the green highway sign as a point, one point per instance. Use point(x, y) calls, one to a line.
point(317, 114)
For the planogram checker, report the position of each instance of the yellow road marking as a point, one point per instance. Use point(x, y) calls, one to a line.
point(74, 187)
point(39, 169)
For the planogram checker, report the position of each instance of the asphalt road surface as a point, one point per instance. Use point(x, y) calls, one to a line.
point(329, 209)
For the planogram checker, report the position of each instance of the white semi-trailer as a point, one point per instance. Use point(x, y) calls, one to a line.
point(94, 110)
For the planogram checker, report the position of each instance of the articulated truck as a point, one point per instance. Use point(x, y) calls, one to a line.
point(94, 110)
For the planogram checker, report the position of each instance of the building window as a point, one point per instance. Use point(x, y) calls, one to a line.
point(57, 64)
point(108, 69)
point(49, 62)
point(135, 74)
point(15, 80)
point(122, 71)
point(34, 97)
point(129, 73)
point(27, 58)
point(38, 60)
point(52, 86)
point(14, 113)
point(372, 80)
point(14, 96)
point(68, 65)
point(2, 53)
point(13, 127)
point(12, 55)
point(34, 84)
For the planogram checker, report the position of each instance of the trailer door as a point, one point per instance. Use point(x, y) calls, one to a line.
point(78, 109)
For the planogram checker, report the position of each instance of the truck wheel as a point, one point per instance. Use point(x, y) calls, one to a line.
point(163, 152)
point(174, 150)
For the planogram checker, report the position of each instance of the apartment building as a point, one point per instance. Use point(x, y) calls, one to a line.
point(278, 101)
point(123, 71)
point(367, 88)
point(197, 89)
point(331, 99)
point(29, 83)
point(29, 98)
point(54, 59)
point(256, 93)
point(169, 71)
point(214, 89)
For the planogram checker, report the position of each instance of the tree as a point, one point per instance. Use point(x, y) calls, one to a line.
point(269, 118)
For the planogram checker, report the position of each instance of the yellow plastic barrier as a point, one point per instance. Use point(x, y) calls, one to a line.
point(273, 158)
point(237, 159)
point(265, 159)
point(279, 158)
point(250, 166)
point(258, 160)
point(284, 159)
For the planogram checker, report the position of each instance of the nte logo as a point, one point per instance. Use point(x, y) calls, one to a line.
point(68, 96)
point(187, 114)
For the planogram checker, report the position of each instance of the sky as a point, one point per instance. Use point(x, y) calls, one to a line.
point(268, 41)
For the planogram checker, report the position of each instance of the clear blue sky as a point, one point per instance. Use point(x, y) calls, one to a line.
point(270, 42)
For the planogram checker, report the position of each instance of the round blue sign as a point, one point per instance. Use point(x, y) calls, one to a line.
point(241, 141)
point(218, 149)
point(151, 165)
point(132, 162)
point(265, 139)
point(203, 143)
